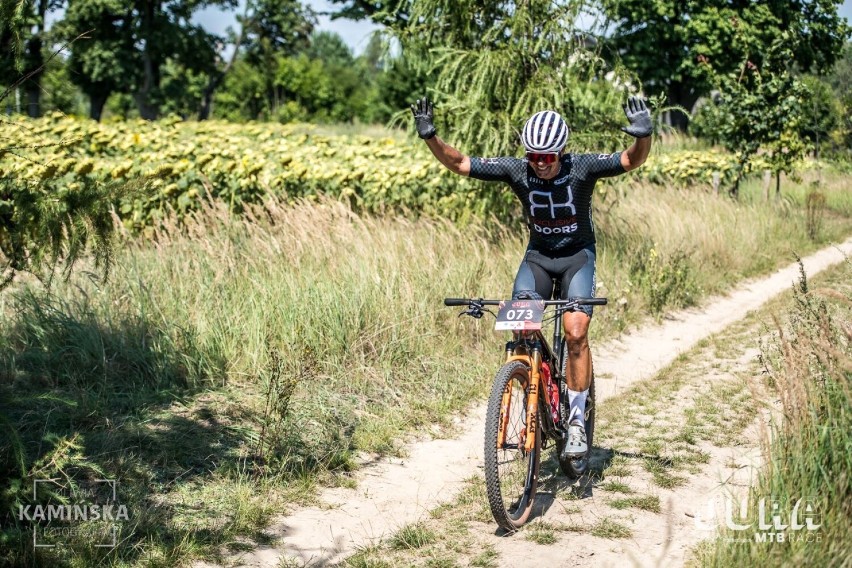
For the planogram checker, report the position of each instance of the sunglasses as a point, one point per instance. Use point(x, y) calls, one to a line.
point(535, 157)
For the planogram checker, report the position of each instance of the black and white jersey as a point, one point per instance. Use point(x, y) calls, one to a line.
point(558, 210)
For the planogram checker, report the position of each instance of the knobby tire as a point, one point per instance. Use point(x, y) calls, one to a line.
point(511, 475)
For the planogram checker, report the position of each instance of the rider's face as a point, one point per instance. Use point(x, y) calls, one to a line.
point(542, 168)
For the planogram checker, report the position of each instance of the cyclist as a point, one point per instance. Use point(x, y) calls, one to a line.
point(555, 190)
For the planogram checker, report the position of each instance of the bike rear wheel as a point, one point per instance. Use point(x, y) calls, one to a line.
point(574, 468)
point(511, 472)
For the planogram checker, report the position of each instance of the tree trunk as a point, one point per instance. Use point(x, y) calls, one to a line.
point(207, 95)
point(33, 98)
point(33, 73)
point(96, 105)
point(150, 67)
point(217, 78)
point(679, 94)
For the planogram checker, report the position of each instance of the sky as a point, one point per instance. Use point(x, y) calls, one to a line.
point(356, 34)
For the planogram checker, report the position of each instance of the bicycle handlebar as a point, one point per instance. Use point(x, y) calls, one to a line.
point(467, 302)
point(483, 302)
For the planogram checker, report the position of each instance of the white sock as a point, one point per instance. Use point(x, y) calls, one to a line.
point(577, 406)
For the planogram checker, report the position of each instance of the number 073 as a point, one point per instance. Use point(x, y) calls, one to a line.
point(519, 315)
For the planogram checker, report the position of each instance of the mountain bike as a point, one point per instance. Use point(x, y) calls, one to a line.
point(520, 422)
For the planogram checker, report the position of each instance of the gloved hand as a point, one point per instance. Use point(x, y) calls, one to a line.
point(422, 111)
point(639, 117)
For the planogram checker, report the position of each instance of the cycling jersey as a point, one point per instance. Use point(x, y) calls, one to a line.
point(558, 210)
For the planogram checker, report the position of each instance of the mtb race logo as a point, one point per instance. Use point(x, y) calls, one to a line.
point(63, 513)
point(772, 520)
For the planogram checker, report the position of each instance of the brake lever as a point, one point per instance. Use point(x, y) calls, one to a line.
point(473, 311)
point(476, 310)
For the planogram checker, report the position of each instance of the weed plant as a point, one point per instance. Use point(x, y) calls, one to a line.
point(808, 450)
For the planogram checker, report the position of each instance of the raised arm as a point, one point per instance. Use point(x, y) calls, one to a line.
point(452, 159)
point(641, 127)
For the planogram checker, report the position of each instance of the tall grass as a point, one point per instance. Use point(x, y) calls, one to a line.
point(667, 247)
point(810, 453)
point(298, 339)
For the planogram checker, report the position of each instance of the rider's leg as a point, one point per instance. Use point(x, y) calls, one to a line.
point(576, 327)
point(531, 276)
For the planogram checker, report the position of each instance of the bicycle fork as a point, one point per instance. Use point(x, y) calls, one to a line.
point(533, 362)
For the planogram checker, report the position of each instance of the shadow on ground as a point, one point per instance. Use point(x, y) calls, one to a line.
point(83, 398)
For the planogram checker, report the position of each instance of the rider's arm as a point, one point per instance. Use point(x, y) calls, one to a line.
point(641, 127)
point(636, 155)
point(452, 159)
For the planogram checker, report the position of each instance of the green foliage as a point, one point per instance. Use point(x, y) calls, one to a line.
point(498, 62)
point(322, 83)
point(760, 108)
point(12, 30)
point(59, 92)
point(841, 82)
point(43, 224)
point(50, 219)
point(128, 47)
point(276, 27)
point(679, 47)
point(668, 281)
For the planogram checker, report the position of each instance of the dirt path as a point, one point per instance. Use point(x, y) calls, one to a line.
point(653, 483)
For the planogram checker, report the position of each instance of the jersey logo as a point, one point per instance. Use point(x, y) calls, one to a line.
point(547, 202)
point(488, 160)
point(603, 156)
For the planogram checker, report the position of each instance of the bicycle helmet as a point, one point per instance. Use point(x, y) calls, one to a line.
point(545, 132)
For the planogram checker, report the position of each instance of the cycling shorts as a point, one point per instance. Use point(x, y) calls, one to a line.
point(575, 275)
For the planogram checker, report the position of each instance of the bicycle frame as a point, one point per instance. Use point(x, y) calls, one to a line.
point(537, 349)
point(540, 352)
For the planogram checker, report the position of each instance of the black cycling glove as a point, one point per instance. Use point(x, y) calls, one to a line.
point(422, 111)
point(640, 118)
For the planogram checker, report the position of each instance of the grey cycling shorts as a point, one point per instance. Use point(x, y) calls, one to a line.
point(575, 275)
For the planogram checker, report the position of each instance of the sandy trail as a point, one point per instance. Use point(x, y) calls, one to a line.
point(394, 492)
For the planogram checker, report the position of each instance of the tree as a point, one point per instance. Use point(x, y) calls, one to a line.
point(680, 46)
point(275, 29)
point(822, 112)
point(761, 108)
point(499, 61)
point(840, 80)
point(130, 42)
point(393, 13)
point(330, 48)
point(22, 43)
point(48, 222)
point(104, 61)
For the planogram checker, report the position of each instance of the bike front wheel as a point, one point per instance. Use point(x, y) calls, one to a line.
point(511, 471)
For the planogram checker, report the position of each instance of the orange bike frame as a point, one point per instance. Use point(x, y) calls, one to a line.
point(533, 362)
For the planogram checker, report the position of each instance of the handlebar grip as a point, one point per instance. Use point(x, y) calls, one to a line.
point(455, 302)
point(593, 302)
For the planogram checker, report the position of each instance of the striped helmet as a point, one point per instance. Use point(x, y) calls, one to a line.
point(545, 132)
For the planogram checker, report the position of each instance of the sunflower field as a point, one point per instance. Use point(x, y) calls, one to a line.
point(186, 162)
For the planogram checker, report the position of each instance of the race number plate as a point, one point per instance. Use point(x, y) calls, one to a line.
point(522, 315)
